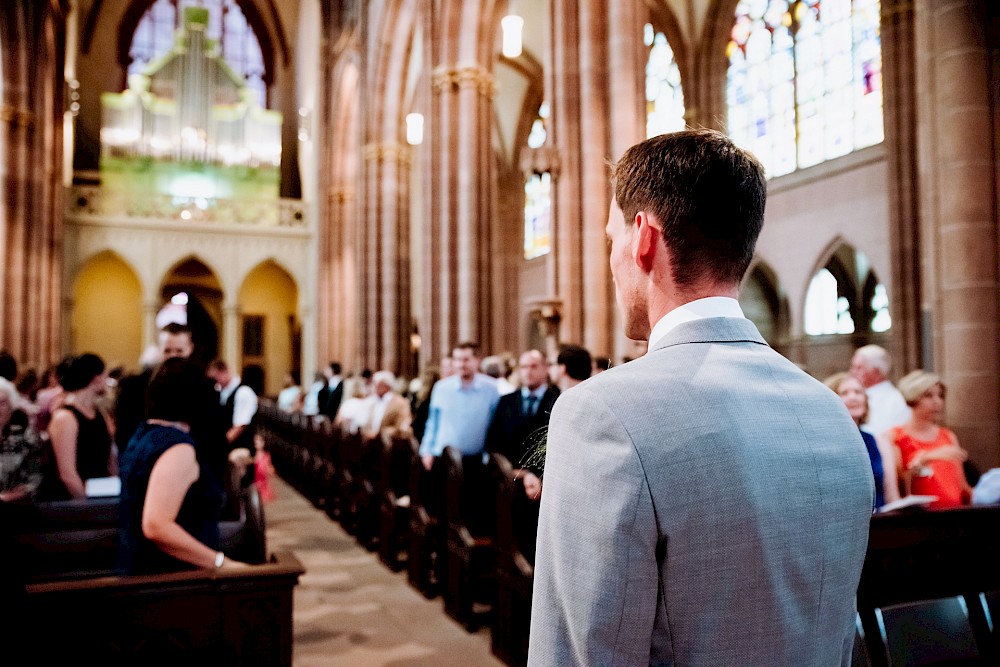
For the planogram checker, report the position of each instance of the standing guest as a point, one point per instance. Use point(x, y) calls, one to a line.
point(20, 450)
point(79, 432)
point(709, 502)
point(332, 394)
point(447, 368)
point(881, 453)
point(520, 415)
point(290, 397)
point(422, 401)
point(495, 367)
point(930, 458)
point(461, 408)
point(238, 399)
point(570, 367)
point(886, 407)
point(311, 404)
point(170, 502)
point(174, 340)
point(354, 409)
point(389, 413)
point(48, 398)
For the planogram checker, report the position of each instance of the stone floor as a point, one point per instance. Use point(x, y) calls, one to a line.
point(351, 610)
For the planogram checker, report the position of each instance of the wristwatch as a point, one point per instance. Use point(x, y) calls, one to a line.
point(220, 558)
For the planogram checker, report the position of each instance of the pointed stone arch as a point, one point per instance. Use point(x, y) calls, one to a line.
point(106, 316)
point(764, 302)
point(270, 331)
point(206, 293)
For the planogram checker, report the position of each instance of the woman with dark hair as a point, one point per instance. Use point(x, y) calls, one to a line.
point(170, 501)
point(79, 432)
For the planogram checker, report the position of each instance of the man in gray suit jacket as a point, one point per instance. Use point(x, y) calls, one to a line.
point(708, 503)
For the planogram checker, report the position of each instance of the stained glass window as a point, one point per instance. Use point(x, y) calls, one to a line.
point(664, 97)
point(537, 215)
point(882, 321)
point(227, 25)
point(805, 80)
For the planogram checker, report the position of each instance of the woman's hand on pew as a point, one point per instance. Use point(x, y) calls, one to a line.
point(229, 564)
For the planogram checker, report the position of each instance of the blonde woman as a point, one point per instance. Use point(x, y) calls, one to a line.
point(930, 457)
point(881, 453)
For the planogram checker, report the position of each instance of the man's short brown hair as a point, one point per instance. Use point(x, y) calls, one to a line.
point(707, 193)
point(469, 345)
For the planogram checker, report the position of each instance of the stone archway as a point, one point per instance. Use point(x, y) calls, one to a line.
point(195, 289)
point(106, 317)
point(270, 330)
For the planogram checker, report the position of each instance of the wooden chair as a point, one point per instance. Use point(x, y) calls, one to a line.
point(471, 537)
point(426, 556)
point(515, 571)
point(399, 457)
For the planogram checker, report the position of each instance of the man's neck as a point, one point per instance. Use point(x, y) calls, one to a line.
point(662, 301)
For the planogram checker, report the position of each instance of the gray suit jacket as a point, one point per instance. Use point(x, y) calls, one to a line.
point(706, 504)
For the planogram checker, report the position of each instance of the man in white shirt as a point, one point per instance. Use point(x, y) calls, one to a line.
point(886, 407)
point(239, 403)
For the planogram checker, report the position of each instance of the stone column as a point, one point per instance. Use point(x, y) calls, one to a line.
point(386, 319)
point(900, 114)
point(32, 36)
point(307, 343)
point(462, 173)
point(960, 251)
point(149, 331)
point(231, 335)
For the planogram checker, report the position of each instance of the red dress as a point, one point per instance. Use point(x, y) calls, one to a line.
point(942, 478)
point(262, 475)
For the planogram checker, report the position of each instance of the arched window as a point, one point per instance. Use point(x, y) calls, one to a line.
point(805, 80)
point(227, 25)
point(538, 192)
point(664, 97)
point(828, 311)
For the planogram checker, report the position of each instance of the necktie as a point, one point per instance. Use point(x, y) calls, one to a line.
point(531, 405)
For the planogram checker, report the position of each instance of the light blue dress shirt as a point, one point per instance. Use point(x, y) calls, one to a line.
point(460, 415)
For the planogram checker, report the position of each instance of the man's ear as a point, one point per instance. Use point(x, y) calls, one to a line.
point(646, 241)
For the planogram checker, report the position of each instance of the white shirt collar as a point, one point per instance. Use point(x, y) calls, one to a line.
point(712, 306)
point(226, 391)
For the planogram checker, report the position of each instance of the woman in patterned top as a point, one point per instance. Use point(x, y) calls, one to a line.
point(20, 450)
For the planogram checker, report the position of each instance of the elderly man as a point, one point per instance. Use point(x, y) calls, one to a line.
point(462, 406)
point(707, 503)
point(388, 412)
point(886, 406)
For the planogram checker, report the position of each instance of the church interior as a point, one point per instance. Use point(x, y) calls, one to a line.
point(375, 181)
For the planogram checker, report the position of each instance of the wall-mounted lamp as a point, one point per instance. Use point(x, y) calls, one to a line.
point(304, 121)
point(512, 25)
point(414, 129)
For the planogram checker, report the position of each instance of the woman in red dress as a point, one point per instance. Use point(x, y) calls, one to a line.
point(930, 458)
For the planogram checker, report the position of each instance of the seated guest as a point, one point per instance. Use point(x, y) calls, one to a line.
point(882, 454)
point(79, 431)
point(20, 450)
point(388, 412)
point(171, 501)
point(353, 410)
point(930, 458)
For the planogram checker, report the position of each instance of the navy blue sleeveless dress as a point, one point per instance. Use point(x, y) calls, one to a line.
point(198, 515)
point(877, 470)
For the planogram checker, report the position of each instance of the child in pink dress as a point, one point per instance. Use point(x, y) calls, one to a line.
point(263, 469)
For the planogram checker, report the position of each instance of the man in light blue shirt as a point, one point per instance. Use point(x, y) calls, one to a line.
point(461, 409)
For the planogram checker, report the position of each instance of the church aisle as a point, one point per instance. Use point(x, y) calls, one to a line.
point(350, 610)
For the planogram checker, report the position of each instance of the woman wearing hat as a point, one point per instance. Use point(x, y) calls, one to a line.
point(930, 457)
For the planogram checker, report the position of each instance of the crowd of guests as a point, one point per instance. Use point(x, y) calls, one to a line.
point(173, 431)
point(174, 436)
point(912, 453)
point(476, 404)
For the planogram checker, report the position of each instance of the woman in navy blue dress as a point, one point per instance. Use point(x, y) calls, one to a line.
point(170, 501)
point(883, 459)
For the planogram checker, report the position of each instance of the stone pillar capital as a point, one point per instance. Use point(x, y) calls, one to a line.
point(463, 75)
point(388, 152)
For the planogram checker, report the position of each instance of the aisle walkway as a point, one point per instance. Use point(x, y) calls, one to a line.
point(352, 611)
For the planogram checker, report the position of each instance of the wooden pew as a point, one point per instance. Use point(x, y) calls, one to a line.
point(471, 534)
point(515, 565)
point(399, 456)
point(426, 558)
point(926, 579)
point(235, 618)
point(75, 539)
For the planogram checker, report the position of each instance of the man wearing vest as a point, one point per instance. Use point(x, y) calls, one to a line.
point(239, 405)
